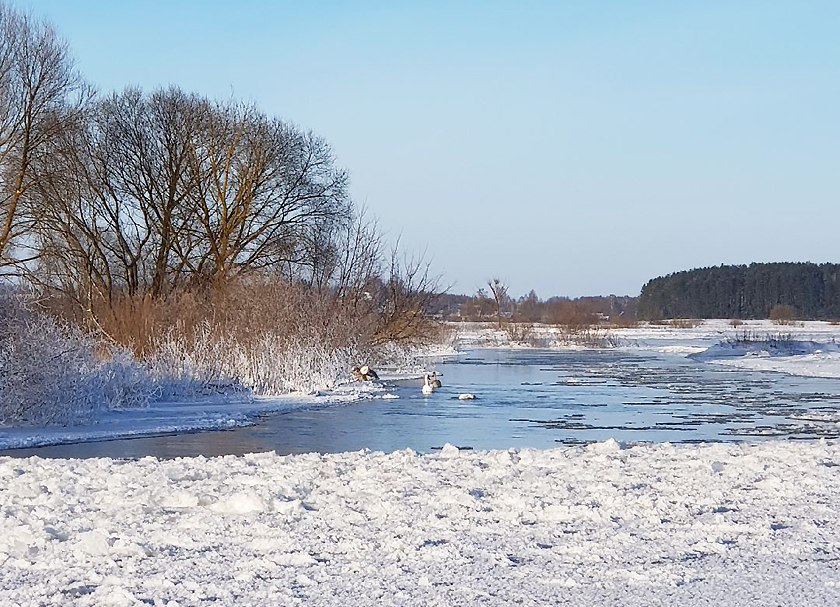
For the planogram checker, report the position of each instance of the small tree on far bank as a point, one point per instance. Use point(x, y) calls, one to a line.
point(528, 309)
point(499, 290)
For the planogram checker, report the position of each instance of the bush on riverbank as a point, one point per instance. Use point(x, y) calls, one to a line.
point(54, 373)
point(60, 363)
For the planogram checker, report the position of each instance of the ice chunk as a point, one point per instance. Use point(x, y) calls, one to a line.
point(449, 450)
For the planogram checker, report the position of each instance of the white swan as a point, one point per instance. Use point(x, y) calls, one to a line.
point(427, 387)
point(466, 397)
point(435, 381)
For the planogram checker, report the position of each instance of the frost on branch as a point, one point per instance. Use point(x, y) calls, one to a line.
point(52, 373)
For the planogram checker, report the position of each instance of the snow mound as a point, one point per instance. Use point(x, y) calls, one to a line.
point(795, 357)
point(765, 347)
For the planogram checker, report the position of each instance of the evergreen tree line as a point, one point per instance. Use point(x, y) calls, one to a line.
point(744, 291)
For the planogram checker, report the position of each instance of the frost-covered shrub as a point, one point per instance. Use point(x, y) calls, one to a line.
point(599, 338)
point(298, 365)
point(395, 355)
point(53, 373)
point(126, 383)
point(520, 333)
point(185, 365)
point(211, 359)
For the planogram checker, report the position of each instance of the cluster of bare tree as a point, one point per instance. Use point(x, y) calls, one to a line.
point(494, 303)
point(146, 193)
point(138, 195)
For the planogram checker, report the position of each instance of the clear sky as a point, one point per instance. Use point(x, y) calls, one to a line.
point(570, 147)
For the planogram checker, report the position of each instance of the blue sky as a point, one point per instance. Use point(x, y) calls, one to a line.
point(571, 147)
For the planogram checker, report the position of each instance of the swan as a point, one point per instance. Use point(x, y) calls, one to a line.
point(427, 387)
point(435, 381)
point(466, 397)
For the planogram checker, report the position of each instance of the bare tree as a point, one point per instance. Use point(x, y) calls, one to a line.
point(349, 261)
point(145, 144)
point(499, 291)
point(112, 197)
point(74, 241)
point(529, 307)
point(262, 186)
point(403, 300)
point(39, 87)
point(152, 191)
point(574, 316)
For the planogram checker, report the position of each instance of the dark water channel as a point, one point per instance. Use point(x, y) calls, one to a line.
point(529, 398)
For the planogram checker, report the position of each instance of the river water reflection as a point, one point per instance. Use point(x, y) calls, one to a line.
point(528, 398)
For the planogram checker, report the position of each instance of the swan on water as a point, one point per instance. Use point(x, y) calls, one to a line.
point(427, 387)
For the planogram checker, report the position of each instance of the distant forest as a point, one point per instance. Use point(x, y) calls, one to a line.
point(744, 292)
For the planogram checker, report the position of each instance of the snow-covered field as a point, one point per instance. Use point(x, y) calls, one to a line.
point(821, 358)
point(806, 348)
point(721, 524)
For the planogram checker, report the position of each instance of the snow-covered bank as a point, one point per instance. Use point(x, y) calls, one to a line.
point(806, 348)
point(811, 349)
point(724, 524)
point(187, 415)
point(786, 355)
point(646, 335)
point(821, 363)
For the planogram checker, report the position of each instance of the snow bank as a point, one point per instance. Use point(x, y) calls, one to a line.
point(667, 338)
point(187, 415)
point(809, 348)
point(763, 347)
point(793, 356)
point(723, 524)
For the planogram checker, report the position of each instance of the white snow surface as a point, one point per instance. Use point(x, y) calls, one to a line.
point(792, 356)
point(718, 524)
point(812, 350)
point(805, 348)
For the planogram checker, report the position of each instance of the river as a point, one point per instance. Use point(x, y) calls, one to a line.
point(527, 398)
